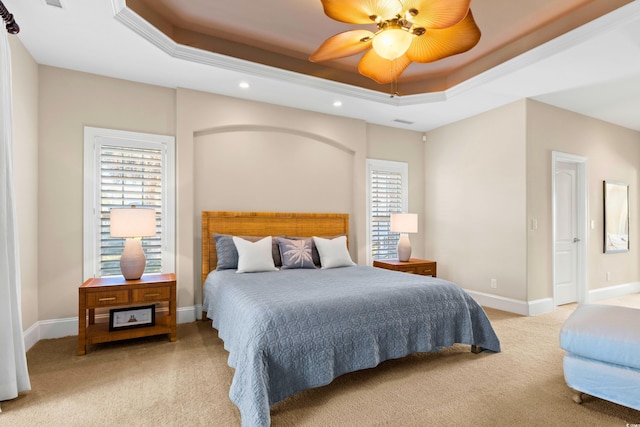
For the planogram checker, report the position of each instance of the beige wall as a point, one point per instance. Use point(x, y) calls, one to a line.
point(24, 72)
point(613, 153)
point(68, 101)
point(385, 143)
point(270, 169)
point(476, 201)
point(488, 176)
point(231, 154)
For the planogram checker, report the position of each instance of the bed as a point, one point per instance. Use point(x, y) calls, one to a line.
point(290, 329)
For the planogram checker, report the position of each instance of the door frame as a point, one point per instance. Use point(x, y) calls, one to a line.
point(582, 219)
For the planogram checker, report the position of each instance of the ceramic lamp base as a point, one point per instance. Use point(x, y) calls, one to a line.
point(132, 260)
point(404, 247)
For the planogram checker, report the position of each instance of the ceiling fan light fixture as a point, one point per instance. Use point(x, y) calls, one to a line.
point(392, 43)
point(407, 31)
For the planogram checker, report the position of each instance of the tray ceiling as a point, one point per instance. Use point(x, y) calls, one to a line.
point(284, 33)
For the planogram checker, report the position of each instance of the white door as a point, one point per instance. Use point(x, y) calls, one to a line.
point(567, 236)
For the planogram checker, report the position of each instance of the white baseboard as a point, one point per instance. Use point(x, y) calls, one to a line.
point(613, 291)
point(524, 308)
point(31, 336)
point(186, 314)
point(545, 305)
point(58, 328)
point(199, 312)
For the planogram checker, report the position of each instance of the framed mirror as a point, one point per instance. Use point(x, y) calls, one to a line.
point(616, 217)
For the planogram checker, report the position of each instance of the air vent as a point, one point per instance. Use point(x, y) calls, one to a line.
point(54, 3)
point(404, 122)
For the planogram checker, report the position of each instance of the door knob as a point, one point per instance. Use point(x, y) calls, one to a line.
point(576, 240)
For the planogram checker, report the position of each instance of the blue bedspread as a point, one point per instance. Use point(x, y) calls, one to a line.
point(291, 330)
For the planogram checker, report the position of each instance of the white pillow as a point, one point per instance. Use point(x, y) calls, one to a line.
point(333, 252)
point(254, 256)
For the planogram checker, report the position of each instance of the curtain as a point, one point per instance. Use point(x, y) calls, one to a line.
point(14, 376)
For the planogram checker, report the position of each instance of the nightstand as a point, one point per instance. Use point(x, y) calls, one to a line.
point(156, 292)
point(423, 267)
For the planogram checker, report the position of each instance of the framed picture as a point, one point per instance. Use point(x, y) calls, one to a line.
point(132, 317)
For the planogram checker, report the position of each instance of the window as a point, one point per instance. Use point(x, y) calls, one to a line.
point(124, 169)
point(387, 193)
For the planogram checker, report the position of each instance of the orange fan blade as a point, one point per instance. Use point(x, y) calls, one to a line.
point(437, 13)
point(343, 44)
point(360, 11)
point(382, 70)
point(437, 44)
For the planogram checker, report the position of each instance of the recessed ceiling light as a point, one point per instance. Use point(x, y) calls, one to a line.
point(337, 103)
point(244, 85)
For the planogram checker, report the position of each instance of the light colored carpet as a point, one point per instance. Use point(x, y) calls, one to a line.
point(154, 382)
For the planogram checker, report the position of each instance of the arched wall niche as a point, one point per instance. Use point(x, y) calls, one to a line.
point(234, 154)
point(269, 168)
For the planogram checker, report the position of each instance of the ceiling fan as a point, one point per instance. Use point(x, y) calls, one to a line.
point(407, 31)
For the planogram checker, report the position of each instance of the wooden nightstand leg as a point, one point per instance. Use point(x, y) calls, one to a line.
point(82, 325)
point(172, 314)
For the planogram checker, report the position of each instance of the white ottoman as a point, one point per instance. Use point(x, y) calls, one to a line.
point(603, 353)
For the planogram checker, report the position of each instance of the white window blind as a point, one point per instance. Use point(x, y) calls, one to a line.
point(387, 194)
point(129, 177)
point(125, 169)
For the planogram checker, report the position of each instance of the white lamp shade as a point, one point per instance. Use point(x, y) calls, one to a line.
point(133, 222)
point(404, 223)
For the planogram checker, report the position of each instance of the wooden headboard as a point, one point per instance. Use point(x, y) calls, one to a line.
point(266, 224)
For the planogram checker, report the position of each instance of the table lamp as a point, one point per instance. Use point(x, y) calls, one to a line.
point(404, 223)
point(132, 223)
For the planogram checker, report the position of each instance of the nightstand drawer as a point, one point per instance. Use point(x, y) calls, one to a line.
point(426, 270)
point(151, 294)
point(102, 299)
point(411, 269)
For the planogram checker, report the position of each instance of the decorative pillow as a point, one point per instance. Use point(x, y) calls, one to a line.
point(226, 252)
point(314, 250)
point(295, 253)
point(254, 256)
point(228, 255)
point(333, 252)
